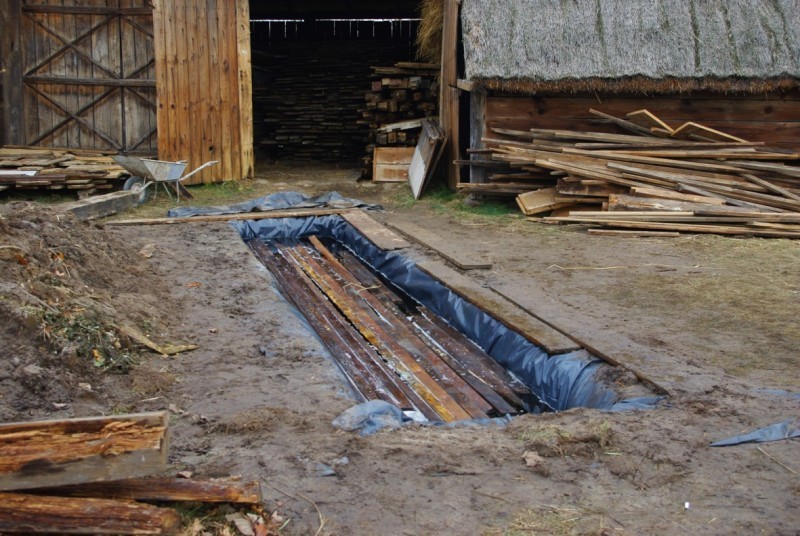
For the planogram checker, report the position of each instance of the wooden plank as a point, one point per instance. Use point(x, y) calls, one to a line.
point(449, 93)
point(771, 187)
point(426, 157)
point(649, 120)
point(360, 363)
point(630, 202)
point(102, 206)
point(634, 234)
point(245, 78)
point(477, 131)
point(509, 314)
point(539, 201)
point(375, 232)
point(622, 123)
point(400, 359)
point(301, 213)
point(444, 248)
point(692, 130)
point(641, 191)
point(33, 514)
point(391, 164)
point(73, 451)
point(164, 489)
point(400, 328)
point(729, 230)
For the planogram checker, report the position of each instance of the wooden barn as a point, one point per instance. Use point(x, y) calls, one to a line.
point(732, 65)
point(176, 77)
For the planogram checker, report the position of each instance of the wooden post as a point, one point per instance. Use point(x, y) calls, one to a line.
point(11, 117)
point(477, 130)
point(448, 98)
point(245, 87)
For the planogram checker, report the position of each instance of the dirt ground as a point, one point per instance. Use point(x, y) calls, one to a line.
point(710, 320)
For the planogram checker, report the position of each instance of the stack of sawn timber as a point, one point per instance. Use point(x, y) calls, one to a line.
point(87, 476)
point(400, 97)
point(654, 180)
point(390, 349)
point(58, 169)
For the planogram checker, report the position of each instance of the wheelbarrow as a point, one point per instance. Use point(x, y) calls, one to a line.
point(146, 171)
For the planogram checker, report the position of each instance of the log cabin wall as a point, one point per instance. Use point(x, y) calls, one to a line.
point(773, 118)
point(205, 86)
point(310, 80)
point(78, 73)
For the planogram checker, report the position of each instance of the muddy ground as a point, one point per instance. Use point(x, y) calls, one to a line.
point(710, 320)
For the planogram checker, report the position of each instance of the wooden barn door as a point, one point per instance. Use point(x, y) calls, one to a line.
point(83, 75)
point(204, 86)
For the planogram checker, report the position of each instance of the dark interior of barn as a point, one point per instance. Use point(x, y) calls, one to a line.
point(312, 65)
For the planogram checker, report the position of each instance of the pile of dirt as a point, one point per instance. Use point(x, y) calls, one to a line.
point(69, 294)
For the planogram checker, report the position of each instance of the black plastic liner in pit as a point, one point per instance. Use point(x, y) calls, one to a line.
point(561, 381)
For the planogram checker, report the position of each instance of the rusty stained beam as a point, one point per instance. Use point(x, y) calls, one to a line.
point(358, 362)
point(507, 394)
point(397, 356)
point(400, 329)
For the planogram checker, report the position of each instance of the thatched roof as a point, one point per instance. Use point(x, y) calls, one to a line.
point(643, 46)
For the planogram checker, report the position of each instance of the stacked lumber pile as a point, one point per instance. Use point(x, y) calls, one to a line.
point(58, 169)
point(653, 180)
point(307, 97)
point(400, 97)
point(86, 476)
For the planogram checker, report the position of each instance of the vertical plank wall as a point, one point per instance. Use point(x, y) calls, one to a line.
point(204, 86)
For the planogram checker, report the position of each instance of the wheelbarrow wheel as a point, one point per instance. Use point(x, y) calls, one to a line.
point(136, 184)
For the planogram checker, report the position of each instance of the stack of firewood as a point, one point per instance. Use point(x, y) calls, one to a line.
point(87, 476)
point(654, 180)
point(58, 169)
point(400, 97)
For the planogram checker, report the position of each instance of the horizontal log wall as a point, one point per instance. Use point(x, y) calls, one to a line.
point(773, 119)
point(204, 86)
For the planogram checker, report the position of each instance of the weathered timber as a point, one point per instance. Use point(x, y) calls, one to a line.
point(102, 206)
point(164, 490)
point(299, 213)
point(447, 250)
point(467, 359)
point(34, 514)
point(507, 313)
point(360, 363)
point(377, 233)
point(403, 362)
point(74, 451)
point(398, 326)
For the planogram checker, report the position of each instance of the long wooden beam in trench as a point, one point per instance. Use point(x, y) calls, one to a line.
point(399, 358)
point(481, 371)
point(400, 330)
point(362, 366)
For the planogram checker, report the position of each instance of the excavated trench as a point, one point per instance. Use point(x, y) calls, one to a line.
point(401, 336)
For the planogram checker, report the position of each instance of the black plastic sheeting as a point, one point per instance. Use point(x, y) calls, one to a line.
point(278, 201)
point(561, 381)
point(783, 430)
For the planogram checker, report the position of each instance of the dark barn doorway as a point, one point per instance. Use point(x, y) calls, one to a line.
point(311, 70)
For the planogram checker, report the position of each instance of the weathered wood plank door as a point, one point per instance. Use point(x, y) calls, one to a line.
point(205, 86)
point(82, 74)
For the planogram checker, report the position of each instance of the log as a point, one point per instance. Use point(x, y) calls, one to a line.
point(34, 514)
point(74, 451)
point(163, 489)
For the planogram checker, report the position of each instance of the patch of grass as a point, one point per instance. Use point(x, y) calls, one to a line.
point(555, 521)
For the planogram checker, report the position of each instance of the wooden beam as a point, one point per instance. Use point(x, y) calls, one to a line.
point(89, 10)
point(477, 131)
point(449, 93)
point(101, 206)
point(13, 124)
point(103, 82)
point(74, 451)
point(449, 251)
point(375, 231)
point(300, 213)
point(506, 312)
point(163, 489)
point(33, 514)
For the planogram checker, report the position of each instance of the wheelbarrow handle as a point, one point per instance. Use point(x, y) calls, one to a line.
point(207, 164)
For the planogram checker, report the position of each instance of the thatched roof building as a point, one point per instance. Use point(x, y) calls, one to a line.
point(633, 46)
